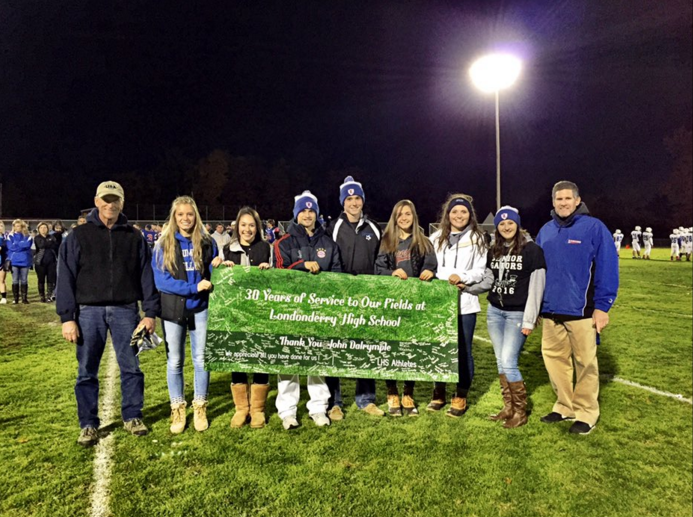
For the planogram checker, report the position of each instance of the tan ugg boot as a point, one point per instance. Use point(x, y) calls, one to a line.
point(507, 410)
point(519, 395)
point(438, 398)
point(178, 418)
point(258, 397)
point(200, 416)
point(240, 399)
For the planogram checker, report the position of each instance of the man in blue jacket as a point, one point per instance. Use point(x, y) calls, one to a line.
point(581, 287)
point(104, 269)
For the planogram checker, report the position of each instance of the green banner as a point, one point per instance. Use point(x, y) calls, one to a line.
point(339, 325)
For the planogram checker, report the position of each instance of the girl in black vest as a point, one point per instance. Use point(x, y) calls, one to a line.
point(182, 262)
point(248, 248)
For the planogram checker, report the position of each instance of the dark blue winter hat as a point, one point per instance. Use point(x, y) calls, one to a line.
point(350, 188)
point(306, 200)
point(505, 213)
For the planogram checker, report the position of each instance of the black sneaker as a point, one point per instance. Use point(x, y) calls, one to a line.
point(581, 428)
point(554, 417)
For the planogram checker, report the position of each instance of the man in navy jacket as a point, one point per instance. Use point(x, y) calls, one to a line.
point(581, 287)
point(104, 269)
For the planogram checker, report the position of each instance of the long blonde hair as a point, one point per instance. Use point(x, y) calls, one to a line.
point(446, 227)
point(25, 227)
point(419, 241)
point(167, 242)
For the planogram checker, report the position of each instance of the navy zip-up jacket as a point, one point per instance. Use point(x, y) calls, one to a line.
point(581, 265)
point(101, 266)
point(296, 247)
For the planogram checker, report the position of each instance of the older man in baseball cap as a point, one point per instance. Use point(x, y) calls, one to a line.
point(104, 270)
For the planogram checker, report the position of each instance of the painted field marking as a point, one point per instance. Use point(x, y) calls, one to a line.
point(614, 378)
point(103, 456)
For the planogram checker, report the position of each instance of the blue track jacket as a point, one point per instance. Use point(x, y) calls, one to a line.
point(581, 265)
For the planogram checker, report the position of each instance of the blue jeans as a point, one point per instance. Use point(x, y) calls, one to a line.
point(94, 323)
point(365, 392)
point(174, 333)
point(20, 275)
point(504, 329)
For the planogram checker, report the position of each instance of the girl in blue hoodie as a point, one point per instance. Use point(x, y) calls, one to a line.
point(18, 244)
point(183, 260)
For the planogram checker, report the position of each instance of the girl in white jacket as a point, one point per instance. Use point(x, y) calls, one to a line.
point(460, 248)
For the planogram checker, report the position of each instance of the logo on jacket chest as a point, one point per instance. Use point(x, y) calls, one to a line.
point(573, 241)
point(321, 252)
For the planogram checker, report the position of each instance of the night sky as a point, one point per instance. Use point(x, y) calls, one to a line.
point(92, 90)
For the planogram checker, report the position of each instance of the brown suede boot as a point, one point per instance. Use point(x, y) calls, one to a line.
point(258, 397)
point(240, 399)
point(438, 398)
point(519, 396)
point(507, 410)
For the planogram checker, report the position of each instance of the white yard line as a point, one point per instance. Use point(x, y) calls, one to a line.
point(100, 497)
point(614, 378)
point(675, 396)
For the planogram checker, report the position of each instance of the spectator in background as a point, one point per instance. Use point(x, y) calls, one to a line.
point(4, 265)
point(46, 261)
point(59, 231)
point(271, 231)
point(19, 243)
point(221, 237)
point(149, 235)
point(81, 220)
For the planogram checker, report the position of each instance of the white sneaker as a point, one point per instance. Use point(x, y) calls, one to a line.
point(290, 422)
point(3, 301)
point(320, 419)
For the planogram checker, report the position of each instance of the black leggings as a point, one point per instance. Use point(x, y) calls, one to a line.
point(46, 273)
point(465, 334)
point(242, 378)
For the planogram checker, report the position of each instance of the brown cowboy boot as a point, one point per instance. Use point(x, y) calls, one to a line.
point(518, 391)
point(258, 398)
point(507, 410)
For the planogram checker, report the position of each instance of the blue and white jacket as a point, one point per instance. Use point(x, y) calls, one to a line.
point(581, 266)
point(19, 249)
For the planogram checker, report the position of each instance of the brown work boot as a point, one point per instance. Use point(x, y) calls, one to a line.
point(200, 415)
point(519, 396)
point(507, 410)
point(240, 399)
point(178, 418)
point(258, 398)
point(458, 407)
point(438, 398)
point(394, 408)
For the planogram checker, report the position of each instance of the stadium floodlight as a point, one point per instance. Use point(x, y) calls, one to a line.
point(491, 74)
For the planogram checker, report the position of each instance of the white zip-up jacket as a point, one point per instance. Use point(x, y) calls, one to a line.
point(467, 259)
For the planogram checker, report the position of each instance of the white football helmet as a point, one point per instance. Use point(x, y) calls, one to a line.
point(618, 231)
point(648, 229)
point(676, 231)
point(637, 228)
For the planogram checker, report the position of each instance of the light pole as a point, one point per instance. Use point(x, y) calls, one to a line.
point(491, 74)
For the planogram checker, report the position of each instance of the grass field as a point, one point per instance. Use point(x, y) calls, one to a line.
point(637, 462)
